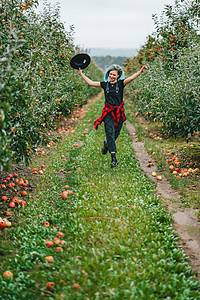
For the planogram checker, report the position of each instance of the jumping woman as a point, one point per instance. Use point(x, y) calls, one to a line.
point(113, 114)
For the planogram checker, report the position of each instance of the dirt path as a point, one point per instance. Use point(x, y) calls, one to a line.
point(186, 223)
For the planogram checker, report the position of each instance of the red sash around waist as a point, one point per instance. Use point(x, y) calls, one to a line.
point(115, 112)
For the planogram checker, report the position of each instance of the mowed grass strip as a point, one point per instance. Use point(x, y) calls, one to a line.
point(120, 242)
point(125, 246)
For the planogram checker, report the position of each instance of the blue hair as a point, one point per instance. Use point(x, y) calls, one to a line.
point(114, 67)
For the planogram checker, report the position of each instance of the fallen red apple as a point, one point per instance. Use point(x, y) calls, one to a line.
point(8, 274)
point(49, 244)
point(64, 195)
point(62, 242)
point(50, 286)
point(2, 225)
point(49, 259)
point(15, 199)
point(58, 249)
point(60, 235)
point(23, 193)
point(56, 241)
point(46, 224)
point(4, 198)
point(76, 286)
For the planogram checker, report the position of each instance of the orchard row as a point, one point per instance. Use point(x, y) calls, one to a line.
point(169, 91)
point(37, 83)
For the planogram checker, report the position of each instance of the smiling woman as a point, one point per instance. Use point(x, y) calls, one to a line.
point(113, 114)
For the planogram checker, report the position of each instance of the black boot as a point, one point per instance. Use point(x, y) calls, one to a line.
point(114, 162)
point(104, 150)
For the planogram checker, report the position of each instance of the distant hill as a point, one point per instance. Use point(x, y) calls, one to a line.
point(103, 62)
point(126, 52)
point(104, 57)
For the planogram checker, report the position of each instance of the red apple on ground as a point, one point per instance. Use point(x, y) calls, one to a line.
point(56, 241)
point(60, 235)
point(58, 249)
point(49, 244)
point(49, 259)
point(46, 224)
point(62, 242)
point(50, 286)
point(8, 274)
point(2, 224)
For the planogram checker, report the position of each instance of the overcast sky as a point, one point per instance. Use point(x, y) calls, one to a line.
point(110, 23)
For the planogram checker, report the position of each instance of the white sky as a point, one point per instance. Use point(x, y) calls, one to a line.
point(110, 23)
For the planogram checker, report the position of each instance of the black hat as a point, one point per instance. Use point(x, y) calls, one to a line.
point(81, 60)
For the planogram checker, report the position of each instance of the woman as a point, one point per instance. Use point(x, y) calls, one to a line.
point(113, 114)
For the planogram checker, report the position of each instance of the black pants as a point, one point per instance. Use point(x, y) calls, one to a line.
point(111, 133)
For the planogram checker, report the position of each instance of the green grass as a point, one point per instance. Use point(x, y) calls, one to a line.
point(129, 253)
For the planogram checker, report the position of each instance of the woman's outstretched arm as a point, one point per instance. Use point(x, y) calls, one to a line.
point(132, 77)
point(88, 80)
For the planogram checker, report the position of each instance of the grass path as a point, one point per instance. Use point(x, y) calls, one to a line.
point(120, 242)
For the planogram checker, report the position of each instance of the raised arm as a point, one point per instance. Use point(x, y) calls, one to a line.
point(132, 77)
point(88, 80)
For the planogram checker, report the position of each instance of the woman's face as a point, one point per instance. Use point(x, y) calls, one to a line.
point(113, 75)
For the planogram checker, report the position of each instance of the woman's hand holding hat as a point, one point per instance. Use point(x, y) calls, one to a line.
point(80, 71)
point(144, 68)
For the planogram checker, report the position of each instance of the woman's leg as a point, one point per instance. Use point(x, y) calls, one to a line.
point(119, 127)
point(110, 133)
point(111, 136)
